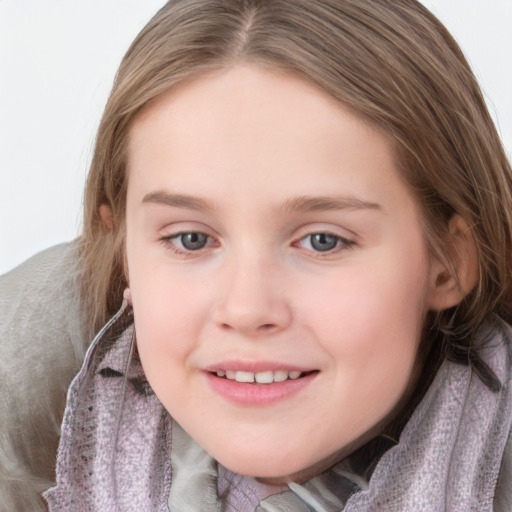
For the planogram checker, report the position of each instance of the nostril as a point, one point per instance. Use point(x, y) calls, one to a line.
point(266, 327)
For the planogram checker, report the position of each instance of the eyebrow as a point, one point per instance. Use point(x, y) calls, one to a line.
point(326, 203)
point(296, 204)
point(178, 200)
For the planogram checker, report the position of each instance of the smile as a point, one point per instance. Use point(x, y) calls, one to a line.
point(258, 388)
point(265, 377)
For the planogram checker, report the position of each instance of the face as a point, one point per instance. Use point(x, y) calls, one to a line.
point(278, 270)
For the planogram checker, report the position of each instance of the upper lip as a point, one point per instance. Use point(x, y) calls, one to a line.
point(255, 366)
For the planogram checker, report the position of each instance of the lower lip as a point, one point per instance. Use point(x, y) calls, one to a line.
point(254, 394)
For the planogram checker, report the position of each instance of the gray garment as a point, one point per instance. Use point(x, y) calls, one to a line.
point(42, 346)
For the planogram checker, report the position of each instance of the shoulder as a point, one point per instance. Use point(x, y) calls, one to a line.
point(38, 271)
point(40, 308)
point(42, 344)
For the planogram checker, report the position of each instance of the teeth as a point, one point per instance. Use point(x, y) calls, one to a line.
point(244, 377)
point(261, 377)
point(264, 377)
point(280, 376)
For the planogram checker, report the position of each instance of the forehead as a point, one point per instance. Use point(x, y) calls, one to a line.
point(249, 127)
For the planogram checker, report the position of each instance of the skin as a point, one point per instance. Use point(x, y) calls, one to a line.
point(250, 148)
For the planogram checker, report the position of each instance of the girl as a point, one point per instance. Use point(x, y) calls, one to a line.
point(307, 210)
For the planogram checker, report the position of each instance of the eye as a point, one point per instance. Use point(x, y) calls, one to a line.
point(192, 241)
point(324, 242)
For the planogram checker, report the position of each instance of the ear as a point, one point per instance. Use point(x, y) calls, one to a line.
point(106, 216)
point(127, 296)
point(451, 281)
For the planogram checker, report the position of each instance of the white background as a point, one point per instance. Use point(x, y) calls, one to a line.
point(57, 62)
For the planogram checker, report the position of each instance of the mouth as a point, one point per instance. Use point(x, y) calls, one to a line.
point(261, 387)
point(264, 377)
point(258, 383)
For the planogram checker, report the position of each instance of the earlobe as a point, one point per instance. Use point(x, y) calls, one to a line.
point(106, 216)
point(450, 283)
point(127, 296)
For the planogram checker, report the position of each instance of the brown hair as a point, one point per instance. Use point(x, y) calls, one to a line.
point(393, 63)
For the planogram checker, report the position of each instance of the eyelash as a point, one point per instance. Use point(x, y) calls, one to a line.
point(342, 243)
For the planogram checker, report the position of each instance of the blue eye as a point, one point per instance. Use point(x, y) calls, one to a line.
point(192, 241)
point(323, 242)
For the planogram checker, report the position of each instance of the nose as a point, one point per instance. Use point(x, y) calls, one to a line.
point(253, 300)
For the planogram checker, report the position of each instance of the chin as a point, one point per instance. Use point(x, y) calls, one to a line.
point(273, 471)
point(278, 467)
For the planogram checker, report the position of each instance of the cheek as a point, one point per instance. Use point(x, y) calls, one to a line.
point(363, 309)
point(167, 313)
point(166, 332)
point(165, 316)
point(172, 310)
point(369, 322)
